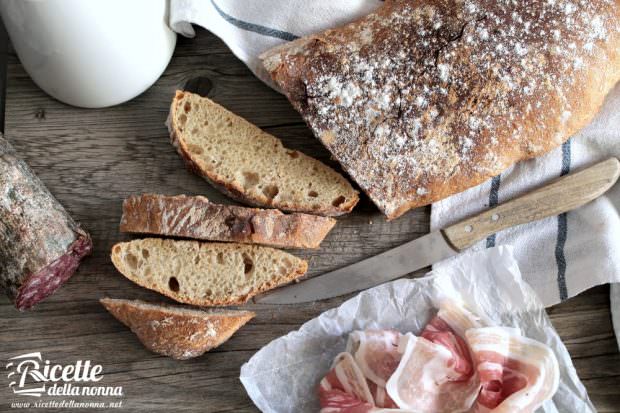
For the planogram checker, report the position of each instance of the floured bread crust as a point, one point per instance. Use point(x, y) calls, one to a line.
point(423, 99)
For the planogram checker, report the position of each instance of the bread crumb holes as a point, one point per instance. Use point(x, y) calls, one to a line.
point(132, 261)
point(248, 264)
point(173, 284)
point(195, 149)
point(250, 179)
point(338, 201)
point(220, 258)
point(271, 191)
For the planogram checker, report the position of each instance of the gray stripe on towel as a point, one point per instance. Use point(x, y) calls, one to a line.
point(560, 258)
point(255, 28)
point(493, 201)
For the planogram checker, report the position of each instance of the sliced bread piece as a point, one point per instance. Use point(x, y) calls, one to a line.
point(253, 166)
point(174, 331)
point(196, 217)
point(205, 273)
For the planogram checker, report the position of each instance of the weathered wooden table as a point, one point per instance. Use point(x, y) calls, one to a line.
point(92, 159)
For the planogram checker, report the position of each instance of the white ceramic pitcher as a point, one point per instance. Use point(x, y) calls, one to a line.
point(91, 53)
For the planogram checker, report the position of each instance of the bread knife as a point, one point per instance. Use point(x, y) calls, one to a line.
point(562, 195)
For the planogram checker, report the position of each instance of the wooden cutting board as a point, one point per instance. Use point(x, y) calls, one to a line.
point(92, 159)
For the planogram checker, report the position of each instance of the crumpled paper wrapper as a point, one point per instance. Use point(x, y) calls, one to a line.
point(282, 376)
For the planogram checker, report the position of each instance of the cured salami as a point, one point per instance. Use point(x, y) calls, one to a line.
point(41, 246)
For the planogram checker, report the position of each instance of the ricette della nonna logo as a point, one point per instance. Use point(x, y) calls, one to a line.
point(32, 375)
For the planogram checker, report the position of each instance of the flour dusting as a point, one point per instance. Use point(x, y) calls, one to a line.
point(440, 94)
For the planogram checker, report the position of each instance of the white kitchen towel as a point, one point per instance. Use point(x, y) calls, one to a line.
point(250, 27)
point(564, 255)
point(560, 256)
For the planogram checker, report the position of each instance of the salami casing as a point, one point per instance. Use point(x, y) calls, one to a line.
point(41, 246)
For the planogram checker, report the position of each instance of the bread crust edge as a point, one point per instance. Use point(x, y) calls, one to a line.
point(305, 232)
point(236, 192)
point(161, 339)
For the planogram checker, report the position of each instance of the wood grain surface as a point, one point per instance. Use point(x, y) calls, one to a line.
point(92, 159)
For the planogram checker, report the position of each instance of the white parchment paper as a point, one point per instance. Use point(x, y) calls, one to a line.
point(282, 376)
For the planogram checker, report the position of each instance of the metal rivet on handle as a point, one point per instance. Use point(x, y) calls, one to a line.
point(469, 228)
point(494, 217)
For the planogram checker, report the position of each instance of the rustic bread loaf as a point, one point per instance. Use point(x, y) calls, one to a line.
point(423, 99)
point(250, 165)
point(177, 332)
point(196, 217)
point(205, 273)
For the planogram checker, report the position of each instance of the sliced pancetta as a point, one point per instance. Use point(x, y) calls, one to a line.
point(380, 396)
point(376, 353)
point(344, 389)
point(459, 318)
point(517, 373)
point(460, 365)
point(338, 401)
point(423, 380)
point(448, 328)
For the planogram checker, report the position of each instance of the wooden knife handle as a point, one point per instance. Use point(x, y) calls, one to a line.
point(562, 195)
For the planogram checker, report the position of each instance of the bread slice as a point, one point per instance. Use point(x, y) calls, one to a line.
point(205, 273)
point(196, 217)
point(174, 331)
point(422, 99)
point(253, 166)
